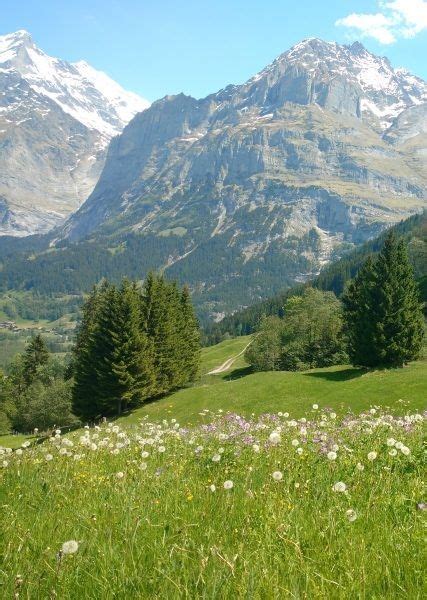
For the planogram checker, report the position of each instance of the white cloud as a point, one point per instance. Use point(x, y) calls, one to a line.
point(396, 19)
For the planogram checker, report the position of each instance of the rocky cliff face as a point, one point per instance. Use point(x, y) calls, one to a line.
point(56, 121)
point(261, 184)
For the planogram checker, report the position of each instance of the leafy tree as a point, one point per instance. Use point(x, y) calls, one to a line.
point(309, 335)
point(383, 312)
point(7, 407)
point(265, 351)
point(313, 331)
point(44, 406)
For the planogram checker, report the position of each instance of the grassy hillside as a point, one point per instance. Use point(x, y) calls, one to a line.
point(342, 388)
point(259, 508)
point(214, 356)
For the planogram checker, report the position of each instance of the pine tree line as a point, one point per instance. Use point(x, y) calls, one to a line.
point(133, 344)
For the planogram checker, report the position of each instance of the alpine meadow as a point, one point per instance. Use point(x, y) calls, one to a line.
point(213, 370)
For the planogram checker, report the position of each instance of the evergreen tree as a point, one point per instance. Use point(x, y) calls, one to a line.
point(85, 383)
point(189, 338)
point(36, 355)
point(161, 311)
point(132, 359)
point(383, 311)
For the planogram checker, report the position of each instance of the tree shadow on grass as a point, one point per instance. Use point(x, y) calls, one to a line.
point(341, 375)
point(238, 373)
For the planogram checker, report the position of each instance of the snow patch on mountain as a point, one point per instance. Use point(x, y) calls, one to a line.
point(88, 95)
point(385, 92)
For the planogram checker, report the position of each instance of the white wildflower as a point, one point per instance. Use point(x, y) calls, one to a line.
point(351, 515)
point(70, 547)
point(340, 486)
point(274, 437)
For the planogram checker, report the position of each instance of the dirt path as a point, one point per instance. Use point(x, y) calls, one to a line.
point(228, 363)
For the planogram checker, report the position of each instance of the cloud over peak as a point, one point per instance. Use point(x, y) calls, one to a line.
point(393, 20)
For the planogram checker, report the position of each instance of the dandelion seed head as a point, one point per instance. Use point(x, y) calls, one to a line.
point(340, 487)
point(351, 515)
point(70, 547)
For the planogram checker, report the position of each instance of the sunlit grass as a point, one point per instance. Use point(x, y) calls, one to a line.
point(140, 504)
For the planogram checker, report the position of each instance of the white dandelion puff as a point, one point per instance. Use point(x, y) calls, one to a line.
point(277, 475)
point(340, 486)
point(351, 515)
point(274, 437)
point(228, 484)
point(70, 547)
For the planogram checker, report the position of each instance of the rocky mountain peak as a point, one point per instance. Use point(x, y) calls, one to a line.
point(56, 121)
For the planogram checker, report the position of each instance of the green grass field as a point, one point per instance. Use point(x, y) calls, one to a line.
point(183, 498)
point(259, 508)
point(341, 388)
point(214, 356)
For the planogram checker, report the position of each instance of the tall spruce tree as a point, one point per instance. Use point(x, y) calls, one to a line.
point(36, 355)
point(133, 357)
point(85, 379)
point(132, 345)
point(161, 322)
point(382, 310)
point(189, 338)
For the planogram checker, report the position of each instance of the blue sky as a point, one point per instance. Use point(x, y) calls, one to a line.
point(168, 46)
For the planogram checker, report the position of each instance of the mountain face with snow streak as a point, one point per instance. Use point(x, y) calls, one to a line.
point(319, 151)
point(252, 188)
point(56, 121)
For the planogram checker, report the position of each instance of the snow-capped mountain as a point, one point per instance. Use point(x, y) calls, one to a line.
point(56, 121)
point(321, 150)
point(382, 92)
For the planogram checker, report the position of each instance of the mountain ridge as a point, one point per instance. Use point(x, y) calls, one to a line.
point(56, 121)
point(256, 186)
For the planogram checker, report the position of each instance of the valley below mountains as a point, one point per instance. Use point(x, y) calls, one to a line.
point(249, 190)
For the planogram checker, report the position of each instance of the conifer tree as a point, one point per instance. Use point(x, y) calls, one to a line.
point(36, 355)
point(85, 384)
point(383, 311)
point(162, 328)
point(189, 338)
point(132, 359)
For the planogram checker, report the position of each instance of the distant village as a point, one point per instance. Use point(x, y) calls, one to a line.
point(10, 325)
